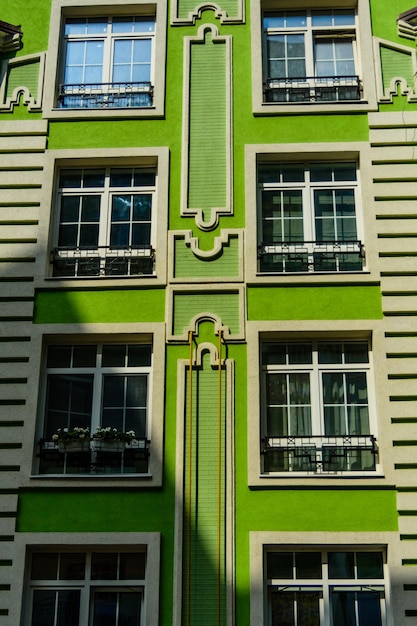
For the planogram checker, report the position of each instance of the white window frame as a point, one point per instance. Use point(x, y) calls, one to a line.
point(97, 255)
point(325, 583)
point(106, 89)
point(313, 79)
point(88, 586)
point(98, 372)
point(311, 243)
point(26, 543)
point(368, 99)
point(63, 9)
point(315, 370)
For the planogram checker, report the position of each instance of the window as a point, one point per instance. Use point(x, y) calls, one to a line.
point(96, 386)
point(108, 62)
point(336, 587)
point(317, 415)
point(105, 222)
point(310, 56)
point(97, 588)
point(308, 220)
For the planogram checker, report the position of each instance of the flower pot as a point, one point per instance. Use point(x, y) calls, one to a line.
point(101, 445)
point(77, 445)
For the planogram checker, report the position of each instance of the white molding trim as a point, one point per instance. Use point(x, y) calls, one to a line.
point(220, 243)
point(33, 102)
point(215, 212)
point(398, 82)
point(219, 13)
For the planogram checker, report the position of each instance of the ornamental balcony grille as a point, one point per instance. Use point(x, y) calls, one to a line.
point(103, 261)
point(319, 454)
point(311, 256)
point(312, 89)
point(132, 459)
point(105, 95)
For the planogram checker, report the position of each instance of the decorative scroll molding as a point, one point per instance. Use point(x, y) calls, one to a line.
point(219, 13)
point(220, 248)
point(207, 218)
point(399, 85)
point(31, 100)
point(10, 37)
point(235, 308)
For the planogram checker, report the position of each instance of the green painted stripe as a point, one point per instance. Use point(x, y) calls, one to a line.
point(188, 305)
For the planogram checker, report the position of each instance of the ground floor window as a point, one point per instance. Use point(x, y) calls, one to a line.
point(332, 587)
point(94, 588)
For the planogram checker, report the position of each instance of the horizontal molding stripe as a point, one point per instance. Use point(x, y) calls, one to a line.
point(399, 273)
point(5, 587)
point(14, 359)
point(23, 205)
point(407, 489)
point(14, 338)
point(407, 512)
point(13, 381)
point(11, 424)
point(13, 402)
point(8, 514)
point(4, 611)
point(401, 355)
point(16, 279)
point(22, 186)
point(409, 561)
point(6, 538)
point(399, 442)
point(405, 466)
point(16, 318)
point(397, 334)
point(394, 255)
point(390, 294)
point(19, 240)
point(6, 562)
point(392, 216)
point(18, 259)
point(17, 298)
point(403, 398)
point(403, 420)
point(402, 376)
point(396, 235)
point(410, 612)
point(9, 468)
point(19, 222)
point(400, 313)
point(10, 446)
point(409, 538)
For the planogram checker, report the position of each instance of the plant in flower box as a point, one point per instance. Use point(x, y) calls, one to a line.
point(111, 440)
point(72, 440)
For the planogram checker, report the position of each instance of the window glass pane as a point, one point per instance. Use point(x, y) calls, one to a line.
point(59, 356)
point(43, 608)
point(343, 608)
point(330, 353)
point(44, 566)
point(120, 178)
point(299, 353)
point(136, 391)
point(68, 613)
point(70, 206)
point(105, 608)
point(141, 178)
point(139, 355)
point(369, 608)
point(369, 564)
point(279, 565)
point(356, 353)
point(121, 208)
point(277, 421)
point(333, 388)
point(293, 174)
point(282, 608)
point(96, 25)
point(308, 608)
point(142, 205)
point(341, 564)
point(321, 172)
point(113, 392)
point(132, 565)
point(104, 566)
point(274, 353)
point(72, 566)
point(93, 178)
point(334, 420)
point(321, 18)
point(129, 608)
point(356, 388)
point(113, 356)
point(308, 565)
point(70, 178)
point(84, 356)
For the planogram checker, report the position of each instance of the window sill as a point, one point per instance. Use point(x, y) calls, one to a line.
point(110, 113)
point(272, 108)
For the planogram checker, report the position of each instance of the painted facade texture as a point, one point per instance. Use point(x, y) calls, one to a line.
point(208, 308)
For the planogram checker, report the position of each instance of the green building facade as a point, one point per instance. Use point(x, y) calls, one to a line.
point(208, 320)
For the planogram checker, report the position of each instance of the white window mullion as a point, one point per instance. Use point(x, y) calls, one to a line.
point(97, 395)
point(107, 68)
point(309, 48)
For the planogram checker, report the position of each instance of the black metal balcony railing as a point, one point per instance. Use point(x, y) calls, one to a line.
point(312, 89)
point(319, 454)
point(311, 256)
point(105, 95)
point(103, 261)
point(133, 459)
